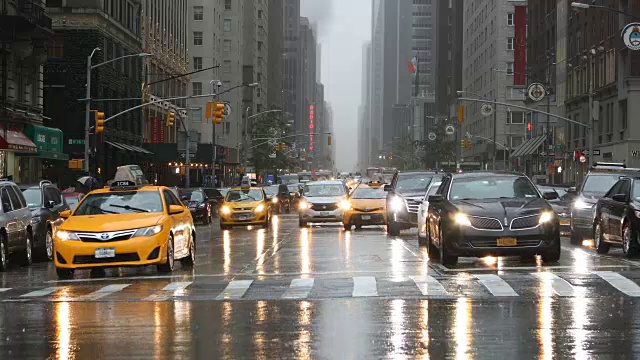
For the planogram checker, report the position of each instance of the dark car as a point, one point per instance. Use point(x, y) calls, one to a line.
point(200, 205)
point(216, 197)
point(404, 196)
point(491, 214)
point(601, 177)
point(279, 198)
point(46, 203)
point(561, 205)
point(294, 193)
point(617, 220)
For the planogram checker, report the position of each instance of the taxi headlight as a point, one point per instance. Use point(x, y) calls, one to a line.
point(225, 210)
point(397, 204)
point(582, 205)
point(345, 205)
point(66, 235)
point(259, 208)
point(274, 200)
point(546, 217)
point(304, 205)
point(462, 219)
point(148, 231)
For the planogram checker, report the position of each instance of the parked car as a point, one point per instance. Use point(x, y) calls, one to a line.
point(16, 229)
point(200, 205)
point(46, 202)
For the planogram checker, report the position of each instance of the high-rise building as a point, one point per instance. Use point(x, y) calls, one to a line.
point(292, 65)
point(364, 111)
point(256, 54)
point(308, 46)
point(275, 92)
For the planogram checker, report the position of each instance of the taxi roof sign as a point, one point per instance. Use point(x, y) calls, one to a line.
point(245, 183)
point(132, 173)
point(123, 185)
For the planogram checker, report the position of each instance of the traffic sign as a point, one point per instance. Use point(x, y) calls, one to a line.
point(486, 109)
point(432, 136)
point(596, 152)
point(449, 130)
point(536, 92)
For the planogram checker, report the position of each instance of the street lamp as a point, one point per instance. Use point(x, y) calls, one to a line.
point(87, 125)
point(495, 123)
point(578, 5)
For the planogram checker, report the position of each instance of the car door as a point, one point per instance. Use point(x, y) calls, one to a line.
point(20, 210)
point(177, 223)
point(604, 208)
point(435, 211)
point(618, 210)
point(10, 218)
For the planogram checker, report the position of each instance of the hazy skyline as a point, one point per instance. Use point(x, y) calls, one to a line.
point(343, 27)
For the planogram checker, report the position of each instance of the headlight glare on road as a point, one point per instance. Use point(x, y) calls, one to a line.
point(274, 200)
point(259, 208)
point(225, 210)
point(66, 235)
point(345, 205)
point(462, 219)
point(546, 217)
point(582, 205)
point(397, 204)
point(148, 231)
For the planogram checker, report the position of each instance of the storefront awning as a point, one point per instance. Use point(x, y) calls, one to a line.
point(48, 141)
point(13, 139)
point(127, 147)
point(529, 147)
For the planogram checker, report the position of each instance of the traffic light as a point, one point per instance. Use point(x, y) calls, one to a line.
point(463, 143)
point(469, 144)
point(209, 110)
point(329, 140)
point(277, 146)
point(460, 114)
point(283, 147)
point(218, 112)
point(170, 118)
point(529, 128)
point(99, 127)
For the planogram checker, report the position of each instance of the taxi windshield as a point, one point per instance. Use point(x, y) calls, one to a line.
point(244, 195)
point(120, 203)
point(369, 193)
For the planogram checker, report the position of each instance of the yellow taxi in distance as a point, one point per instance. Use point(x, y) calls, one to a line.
point(367, 205)
point(245, 205)
point(125, 225)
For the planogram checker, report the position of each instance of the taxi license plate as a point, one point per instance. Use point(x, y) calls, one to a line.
point(366, 217)
point(325, 213)
point(507, 242)
point(104, 253)
point(564, 222)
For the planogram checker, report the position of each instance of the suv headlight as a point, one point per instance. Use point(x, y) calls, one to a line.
point(582, 205)
point(397, 204)
point(546, 217)
point(148, 231)
point(64, 235)
point(462, 219)
point(304, 205)
point(259, 208)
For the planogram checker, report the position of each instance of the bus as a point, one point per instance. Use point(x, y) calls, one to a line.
point(305, 176)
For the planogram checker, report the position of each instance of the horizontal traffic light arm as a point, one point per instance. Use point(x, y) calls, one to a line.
point(285, 137)
point(486, 139)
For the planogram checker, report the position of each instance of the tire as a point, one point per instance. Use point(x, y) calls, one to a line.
point(26, 257)
point(552, 256)
point(347, 227)
point(48, 245)
point(64, 274)
point(190, 260)
point(446, 258)
point(629, 241)
point(601, 246)
point(422, 241)
point(224, 227)
point(358, 227)
point(169, 266)
point(4, 256)
point(432, 251)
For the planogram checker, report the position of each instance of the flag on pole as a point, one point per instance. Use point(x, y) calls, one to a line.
point(413, 65)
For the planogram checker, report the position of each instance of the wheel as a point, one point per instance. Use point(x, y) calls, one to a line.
point(601, 246)
point(168, 267)
point(347, 227)
point(432, 251)
point(27, 253)
point(48, 244)
point(3, 254)
point(190, 260)
point(629, 241)
point(302, 223)
point(446, 258)
point(552, 256)
point(422, 240)
point(358, 227)
point(392, 228)
point(224, 227)
point(64, 274)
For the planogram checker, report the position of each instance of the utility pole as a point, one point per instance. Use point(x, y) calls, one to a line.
point(187, 154)
point(495, 135)
point(87, 110)
point(591, 122)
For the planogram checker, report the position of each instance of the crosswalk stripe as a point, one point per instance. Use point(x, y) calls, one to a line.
point(41, 292)
point(4, 289)
point(105, 291)
point(620, 282)
point(299, 289)
point(235, 290)
point(169, 291)
point(560, 286)
point(496, 285)
point(429, 286)
point(364, 286)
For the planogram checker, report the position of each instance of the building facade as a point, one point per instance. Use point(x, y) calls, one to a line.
point(292, 65)
point(364, 111)
point(308, 47)
point(275, 93)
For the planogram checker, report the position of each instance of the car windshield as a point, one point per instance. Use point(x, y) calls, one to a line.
point(244, 195)
point(433, 188)
point(212, 193)
point(369, 193)
point(481, 188)
point(321, 190)
point(560, 191)
point(72, 201)
point(271, 190)
point(196, 196)
point(413, 183)
point(599, 184)
point(120, 203)
point(224, 191)
point(33, 197)
point(293, 187)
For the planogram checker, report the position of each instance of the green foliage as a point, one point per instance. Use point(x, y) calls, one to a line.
point(273, 125)
point(443, 148)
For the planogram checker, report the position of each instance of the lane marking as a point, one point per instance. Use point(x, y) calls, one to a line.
point(105, 291)
point(235, 290)
point(560, 286)
point(527, 268)
point(41, 292)
point(299, 289)
point(620, 282)
point(169, 291)
point(429, 286)
point(496, 285)
point(4, 289)
point(364, 286)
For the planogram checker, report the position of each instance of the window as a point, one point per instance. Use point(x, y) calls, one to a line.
point(198, 13)
point(197, 63)
point(15, 201)
point(6, 202)
point(516, 117)
point(195, 114)
point(23, 201)
point(227, 127)
point(259, 14)
point(259, 45)
point(226, 66)
point(510, 44)
point(197, 88)
point(226, 46)
point(516, 141)
point(197, 38)
point(227, 4)
point(510, 19)
point(227, 24)
point(56, 46)
point(509, 68)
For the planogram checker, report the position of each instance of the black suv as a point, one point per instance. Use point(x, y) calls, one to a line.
point(601, 177)
point(405, 194)
point(45, 202)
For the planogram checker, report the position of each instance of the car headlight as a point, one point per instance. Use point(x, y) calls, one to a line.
point(259, 208)
point(148, 231)
point(304, 205)
point(63, 235)
point(274, 200)
point(582, 205)
point(36, 219)
point(225, 210)
point(546, 216)
point(397, 204)
point(462, 219)
point(345, 205)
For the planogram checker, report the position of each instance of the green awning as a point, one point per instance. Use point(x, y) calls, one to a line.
point(48, 140)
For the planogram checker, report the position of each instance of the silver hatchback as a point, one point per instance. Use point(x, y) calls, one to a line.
point(16, 230)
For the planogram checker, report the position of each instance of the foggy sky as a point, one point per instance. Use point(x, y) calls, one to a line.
point(343, 26)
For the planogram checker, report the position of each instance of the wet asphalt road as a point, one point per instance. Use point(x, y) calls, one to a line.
point(327, 294)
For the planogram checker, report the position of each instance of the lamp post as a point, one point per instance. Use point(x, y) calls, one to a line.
point(578, 5)
point(495, 124)
point(87, 122)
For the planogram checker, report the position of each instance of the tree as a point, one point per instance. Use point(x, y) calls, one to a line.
point(442, 149)
point(273, 126)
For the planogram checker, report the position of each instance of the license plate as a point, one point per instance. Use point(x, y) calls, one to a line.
point(564, 222)
point(366, 217)
point(507, 242)
point(325, 213)
point(105, 253)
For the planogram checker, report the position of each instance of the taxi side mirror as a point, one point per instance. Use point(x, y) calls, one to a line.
point(387, 188)
point(435, 198)
point(175, 209)
point(65, 214)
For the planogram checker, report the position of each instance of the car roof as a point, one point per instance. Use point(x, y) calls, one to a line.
point(478, 174)
point(427, 172)
point(326, 182)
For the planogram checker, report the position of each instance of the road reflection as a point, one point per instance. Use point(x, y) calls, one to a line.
point(545, 320)
point(398, 327)
point(63, 332)
point(226, 243)
point(305, 255)
point(462, 328)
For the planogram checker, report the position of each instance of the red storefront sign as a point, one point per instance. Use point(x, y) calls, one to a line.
point(520, 54)
point(162, 130)
point(155, 130)
point(312, 125)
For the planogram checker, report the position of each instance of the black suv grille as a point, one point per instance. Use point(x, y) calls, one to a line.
point(525, 222)
point(485, 223)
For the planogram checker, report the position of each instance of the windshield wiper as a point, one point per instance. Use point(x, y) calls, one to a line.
point(103, 210)
point(127, 207)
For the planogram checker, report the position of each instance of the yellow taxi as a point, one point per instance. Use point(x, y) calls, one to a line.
point(125, 224)
point(243, 206)
point(366, 205)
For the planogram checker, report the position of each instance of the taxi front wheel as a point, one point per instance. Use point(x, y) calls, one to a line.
point(168, 267)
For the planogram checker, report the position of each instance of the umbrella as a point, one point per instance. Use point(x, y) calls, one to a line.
point(89, 182)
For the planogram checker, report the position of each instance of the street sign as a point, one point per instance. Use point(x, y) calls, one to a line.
point(76, 141)
point(631, 36)
point(191, 155)
point(596, 152)
point(536, 92)
point(486, 109)
point(449, 130)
